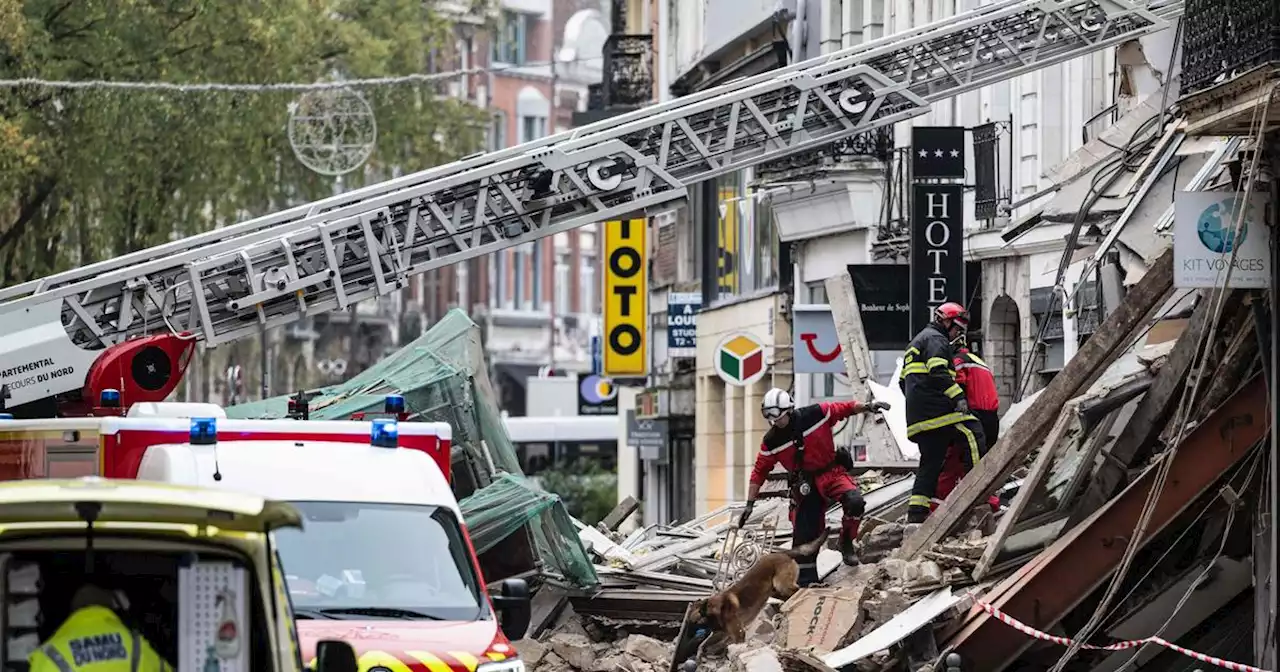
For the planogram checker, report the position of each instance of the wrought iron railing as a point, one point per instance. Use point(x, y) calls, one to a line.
point(876, 144)
point(1226, 38)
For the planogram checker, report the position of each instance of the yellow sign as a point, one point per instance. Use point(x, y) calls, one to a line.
point(626, 299)
point(727, 243)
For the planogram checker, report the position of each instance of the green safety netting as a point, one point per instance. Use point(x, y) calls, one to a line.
point(511, 502)
point(442, 377)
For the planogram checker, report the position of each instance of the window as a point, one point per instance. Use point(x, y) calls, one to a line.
point(511, 41)
point(562, 283)
point(764, 261)
point(536, 268)
point(747, 239)
point(589, 283)
point(339, 566)
point(517, 293)
point(532, 128)
point(498, 131)
point(497, 266)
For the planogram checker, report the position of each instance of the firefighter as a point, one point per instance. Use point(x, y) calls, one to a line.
point(800, 439)
point(979, 385)
point(937, 411)
point(94, 639)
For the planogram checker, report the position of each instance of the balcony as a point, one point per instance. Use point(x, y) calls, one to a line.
point(858, 152)
point(1230, 51)
point(628, 79)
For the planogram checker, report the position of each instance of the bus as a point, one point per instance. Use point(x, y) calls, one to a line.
point(545, 441)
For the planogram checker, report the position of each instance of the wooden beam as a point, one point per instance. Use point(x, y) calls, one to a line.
point(882, 446)
point(1079, 562)
point(1149, 418)
point(1030, 484)
point(621, 512)
point(1032, 426)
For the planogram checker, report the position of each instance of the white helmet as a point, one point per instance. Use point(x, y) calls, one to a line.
point(775, 404)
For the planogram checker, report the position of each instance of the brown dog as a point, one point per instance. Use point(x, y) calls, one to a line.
point(774, 575)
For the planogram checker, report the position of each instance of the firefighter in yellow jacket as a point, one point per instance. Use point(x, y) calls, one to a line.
point(94, 639)
point(938, 414)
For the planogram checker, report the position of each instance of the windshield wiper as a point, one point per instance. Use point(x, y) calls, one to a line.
point(310, 614)
point(381, 612)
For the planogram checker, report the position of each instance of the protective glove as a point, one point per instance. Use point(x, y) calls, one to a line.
point(877, 406)
point(746, 514)
point(962, 406)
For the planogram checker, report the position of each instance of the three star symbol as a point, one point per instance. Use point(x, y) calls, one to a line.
point(938, 153)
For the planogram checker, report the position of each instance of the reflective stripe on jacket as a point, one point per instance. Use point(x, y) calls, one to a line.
point(94, 639)
point(976, 378)
point(813, 423)
point(928, 383)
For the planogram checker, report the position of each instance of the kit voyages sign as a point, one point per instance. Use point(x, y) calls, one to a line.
point(937, 250)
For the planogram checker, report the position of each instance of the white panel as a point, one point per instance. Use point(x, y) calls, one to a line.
point(541, 8)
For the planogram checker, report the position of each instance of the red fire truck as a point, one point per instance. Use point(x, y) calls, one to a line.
point(383, 561)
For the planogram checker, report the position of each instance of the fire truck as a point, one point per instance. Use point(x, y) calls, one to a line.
point(383, 560)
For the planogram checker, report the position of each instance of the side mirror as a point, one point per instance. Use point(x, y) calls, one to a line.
point(334, 655)
point(513, 608)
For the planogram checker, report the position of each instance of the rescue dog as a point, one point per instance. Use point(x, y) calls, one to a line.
point(726, 615)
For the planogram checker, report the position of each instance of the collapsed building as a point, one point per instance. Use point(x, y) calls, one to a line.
point(1138, 488)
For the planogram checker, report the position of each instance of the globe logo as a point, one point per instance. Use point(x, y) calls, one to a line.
point(1216, 224)
point(596, 390)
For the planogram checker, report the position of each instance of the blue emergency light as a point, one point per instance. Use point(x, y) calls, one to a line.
point(385, 433)
point(393, 404)
point(204, 431)
point(109, 398)
point(6, 416)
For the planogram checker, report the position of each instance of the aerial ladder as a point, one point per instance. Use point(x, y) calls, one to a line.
point(130, 323)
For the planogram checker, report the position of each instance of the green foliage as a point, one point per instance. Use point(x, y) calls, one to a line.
point(89, 174)
point(589, 493)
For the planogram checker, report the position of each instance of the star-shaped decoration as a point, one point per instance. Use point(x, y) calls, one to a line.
point(937, 153)
point(955, 153)
point(924, 153)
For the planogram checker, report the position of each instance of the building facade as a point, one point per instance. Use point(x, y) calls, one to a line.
point(759, 243)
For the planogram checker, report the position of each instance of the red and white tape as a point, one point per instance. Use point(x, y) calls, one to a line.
point(1118, 646)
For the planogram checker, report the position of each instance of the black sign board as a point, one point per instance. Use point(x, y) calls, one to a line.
point(937, 250)
point(884, 300)
point(596, 395)
point(985, 177)
point(937, 152)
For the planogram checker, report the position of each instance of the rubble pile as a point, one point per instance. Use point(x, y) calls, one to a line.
point(649, 577)
point(568, 652)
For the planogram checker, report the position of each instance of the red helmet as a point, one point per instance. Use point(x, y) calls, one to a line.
point(954, 312)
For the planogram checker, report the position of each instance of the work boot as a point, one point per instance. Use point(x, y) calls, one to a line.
point(848, 552)
point(917, 514)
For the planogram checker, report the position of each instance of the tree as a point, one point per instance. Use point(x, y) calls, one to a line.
point(87, 174)
point(589, 492)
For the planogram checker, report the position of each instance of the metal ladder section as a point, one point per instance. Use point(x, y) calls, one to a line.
point(223, 284)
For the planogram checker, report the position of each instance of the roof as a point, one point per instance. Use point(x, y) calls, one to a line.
point(138, 502)
point(312, 471)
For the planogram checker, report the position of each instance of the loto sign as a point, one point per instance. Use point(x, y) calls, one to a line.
point(626, 299)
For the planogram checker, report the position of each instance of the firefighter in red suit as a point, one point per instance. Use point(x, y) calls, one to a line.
point(800, 440)
point(979, 385)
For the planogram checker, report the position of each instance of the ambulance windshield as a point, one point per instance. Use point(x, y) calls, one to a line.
point(356, 560)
